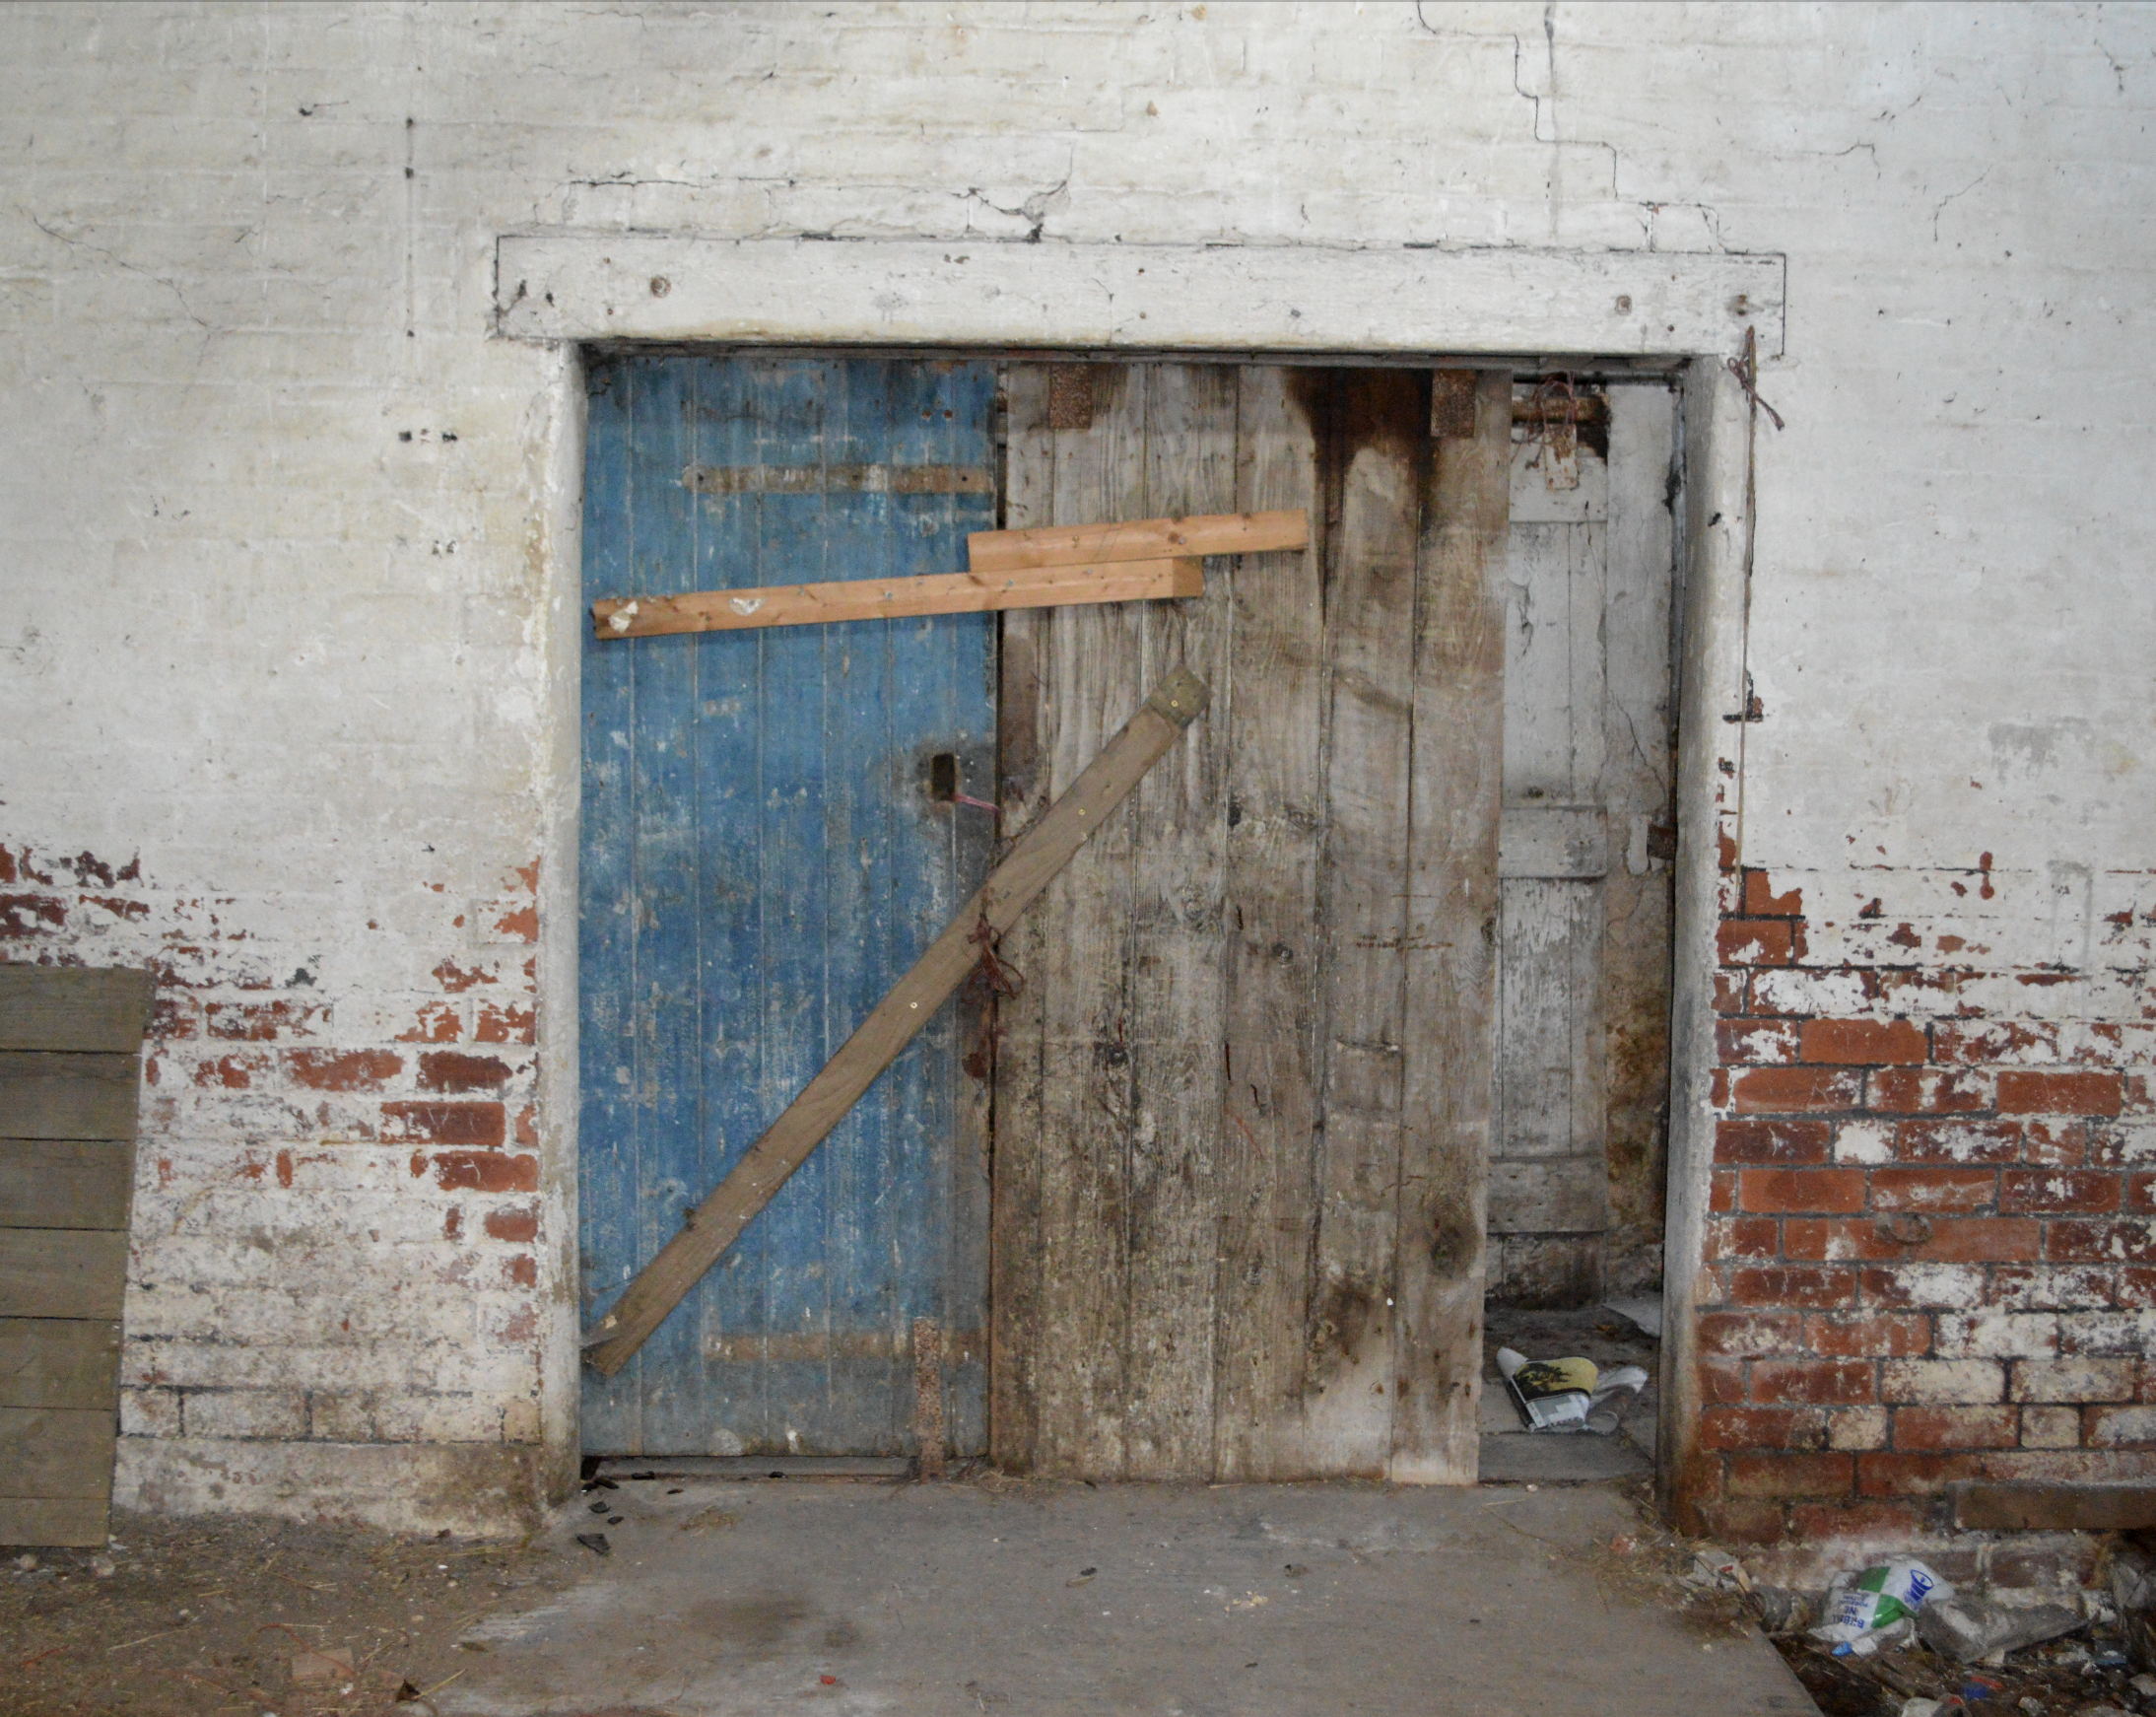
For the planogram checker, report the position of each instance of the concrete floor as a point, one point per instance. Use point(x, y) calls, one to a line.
point(730, 1598)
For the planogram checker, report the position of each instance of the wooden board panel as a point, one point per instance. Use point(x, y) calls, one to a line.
point(48, 1452)
point(1037, 855)
point(746, 610)
point(1092, 664)
point(1372, 444)
point(74, 1008)
point(761, 859)
point(63, 1272)
point(59, 1362)
point(67, 1096)
point(1142, 539)
point(1454, 787)
point(1208, 1116)
point(53, 1520)
point(1567, 1194)
point(1176, 983)
point(1017, 1362)
point(1570, 841)
point(1271, 1060)
point(66, 1183)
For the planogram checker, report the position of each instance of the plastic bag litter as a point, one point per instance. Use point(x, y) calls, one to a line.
point(1568, 1394)
point(1877, 1607)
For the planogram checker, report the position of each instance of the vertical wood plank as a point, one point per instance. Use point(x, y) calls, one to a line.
point(1454, 793)
point(1176, 1005)
point(1017, 1236)
point(1271, 1063)
point(1371, 451)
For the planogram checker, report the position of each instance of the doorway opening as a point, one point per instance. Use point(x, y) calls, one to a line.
point(1176, 1211)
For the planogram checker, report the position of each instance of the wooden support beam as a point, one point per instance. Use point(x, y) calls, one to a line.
point(1034, 859)
point(974, 592)
point(1137, 539)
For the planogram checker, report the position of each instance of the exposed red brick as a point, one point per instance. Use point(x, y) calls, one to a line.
point(2141, 1199)
point(228, 1072)
point(473, 1124)
point(284, 1168)
point(1814, 1287)
point(452, 1225)
point(509, 1024)
point(1721, 1192)
point(456, 980)
point(2054, 1143)
point(1744, 1237)
point(1912, 1475)
point(31, 914)
point(174, 1018)
point(453, 1070)
point(1748, 1335)
point(342, 1070)
point(1926, 1091)
point(1880, 1335)
point(1948, 1239)
point(2065, 1192)
point(2077, 1241)
point(1956, 1427)
point(522, 1271)
point(1863, 1042)
point(1795, 1090)
point(523, 925)
point(1812, 1522)
point(527, 1124)
point(1959, 1190)
point(1729, 991)
point(1971, 1141)
point(438, 1023)
point(1975, 1042)
point(1767, 1190)
point(2025, 1091)
point(1816, 1382)
point(2033, 1287)
point(1722, 1382)
point(1839, 1238)
point(1756, 1040)
point(2136, 1290)
point(1789, 1475)
point(1745, 1520)
point(262, 1021)
point(1765, 942)
point(1763, 1427)
point(520, 1224)
point(1761, 901)
point(484, 1171)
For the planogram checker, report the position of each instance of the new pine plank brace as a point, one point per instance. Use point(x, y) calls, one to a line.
point(1137, 560)
point(1034, 859)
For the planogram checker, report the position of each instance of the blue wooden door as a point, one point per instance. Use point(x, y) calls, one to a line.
point(762, 856)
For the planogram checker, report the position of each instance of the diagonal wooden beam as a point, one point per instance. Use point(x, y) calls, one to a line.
point(1038, 854)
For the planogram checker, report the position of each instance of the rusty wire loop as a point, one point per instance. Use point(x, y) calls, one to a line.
point(1746, 370)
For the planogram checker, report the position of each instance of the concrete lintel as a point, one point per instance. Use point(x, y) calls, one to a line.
point(1281, 299)
point(473, 1489)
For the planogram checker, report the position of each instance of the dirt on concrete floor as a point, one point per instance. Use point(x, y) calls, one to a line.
point(237, 1614)
point(232, 1615)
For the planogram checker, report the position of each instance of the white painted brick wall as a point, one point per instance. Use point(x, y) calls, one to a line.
point(287, 668)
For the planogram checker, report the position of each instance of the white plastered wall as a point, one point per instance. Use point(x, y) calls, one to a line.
point(286, 697)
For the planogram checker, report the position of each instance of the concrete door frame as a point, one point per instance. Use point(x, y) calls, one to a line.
point(1509, 307)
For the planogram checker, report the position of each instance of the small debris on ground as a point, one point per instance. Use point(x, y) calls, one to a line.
point(595, 1542)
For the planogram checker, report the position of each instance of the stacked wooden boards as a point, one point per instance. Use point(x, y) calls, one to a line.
point(69, 1040)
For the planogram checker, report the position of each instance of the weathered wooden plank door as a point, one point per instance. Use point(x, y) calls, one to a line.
point(1583, 963)
point(764, 854)
point(1242, 1107)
